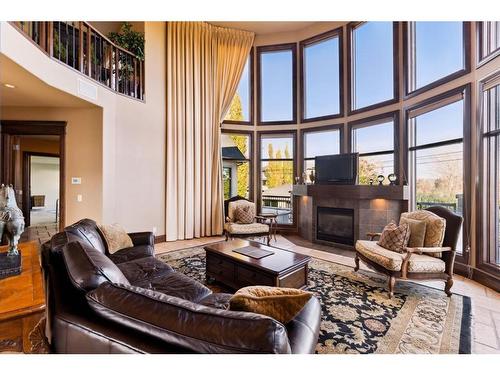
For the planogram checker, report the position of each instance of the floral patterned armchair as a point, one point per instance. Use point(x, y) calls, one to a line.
point(417, 263)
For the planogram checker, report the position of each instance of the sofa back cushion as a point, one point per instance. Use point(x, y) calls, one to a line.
point(88, 267)
point(179, 322)
point(86, 231)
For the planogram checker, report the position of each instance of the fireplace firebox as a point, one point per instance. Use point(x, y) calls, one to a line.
point(335, 225)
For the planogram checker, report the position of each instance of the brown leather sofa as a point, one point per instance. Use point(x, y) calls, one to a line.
point(130, 302)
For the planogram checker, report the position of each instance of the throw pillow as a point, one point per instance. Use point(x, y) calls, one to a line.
point(395, 238)
point(282, 304)
point(244, 214)
point(116, 237)
point(417, 231)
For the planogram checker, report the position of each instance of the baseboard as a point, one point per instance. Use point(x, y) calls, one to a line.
point(159, 239)
point(486, 279)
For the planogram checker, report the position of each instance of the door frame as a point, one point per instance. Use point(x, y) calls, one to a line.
point(10, 128)
point(26, 183)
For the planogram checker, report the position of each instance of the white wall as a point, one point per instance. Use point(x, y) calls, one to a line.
point(44, 179)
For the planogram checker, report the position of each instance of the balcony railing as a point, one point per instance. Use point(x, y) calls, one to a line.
point(78, 45)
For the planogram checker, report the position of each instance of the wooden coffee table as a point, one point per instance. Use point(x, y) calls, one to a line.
point(283, 268)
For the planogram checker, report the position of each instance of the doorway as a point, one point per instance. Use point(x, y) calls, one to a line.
point(33, 160)
point(41, 184)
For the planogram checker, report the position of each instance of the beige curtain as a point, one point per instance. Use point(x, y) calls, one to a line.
point(204, 66)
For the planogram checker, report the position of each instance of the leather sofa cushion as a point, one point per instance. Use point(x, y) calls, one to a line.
point(132, 253)
point(88, 267)
point(303, 330)
point(189, 325)
point(88, 232)
point(143, 269)
point(177, 285)
point(217, 300)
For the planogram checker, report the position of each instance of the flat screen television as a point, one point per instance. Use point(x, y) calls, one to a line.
point(341, 169)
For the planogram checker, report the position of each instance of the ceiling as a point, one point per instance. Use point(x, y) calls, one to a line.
point(31, 91)
point(265, 27)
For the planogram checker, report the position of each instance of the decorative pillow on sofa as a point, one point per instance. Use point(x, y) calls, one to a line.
point(395, 238)
point(417, 231)
point(282, 304)
point(244, 214)
point(116, 237)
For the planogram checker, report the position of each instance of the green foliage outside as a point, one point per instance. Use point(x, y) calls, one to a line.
point(278, 172)
point(243, 169)
point(132, 41)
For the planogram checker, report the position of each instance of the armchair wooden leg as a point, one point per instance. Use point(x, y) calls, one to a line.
point(392, 282)
point(227, 236)
point(268, 239)
point(356, 263)
point(449, 284)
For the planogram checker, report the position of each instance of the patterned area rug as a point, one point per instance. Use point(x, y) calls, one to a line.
point(358, 316)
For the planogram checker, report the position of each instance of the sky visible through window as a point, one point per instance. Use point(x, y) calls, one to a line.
point(321, 76)
point(321, 143)
point(277, 88)
point(374, 138)
point(373, 63)
point(439, 50)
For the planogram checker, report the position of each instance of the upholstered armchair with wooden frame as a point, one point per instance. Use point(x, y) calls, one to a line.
point(415, 263)
point(233, 229)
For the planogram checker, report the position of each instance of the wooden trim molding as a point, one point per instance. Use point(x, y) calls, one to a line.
point(335, 33)
point(9, 128)
point(276, 48)
point(350, 70)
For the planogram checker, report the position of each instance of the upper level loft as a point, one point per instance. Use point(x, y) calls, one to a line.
point(81, 46)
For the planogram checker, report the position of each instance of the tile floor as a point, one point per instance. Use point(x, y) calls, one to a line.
point(40, 233)
point(485, 301)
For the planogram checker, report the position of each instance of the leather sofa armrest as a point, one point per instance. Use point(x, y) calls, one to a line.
point(142, 238)
point(189, 325)
point(132, 253)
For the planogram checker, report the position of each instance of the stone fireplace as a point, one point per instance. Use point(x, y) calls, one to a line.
point(338, 215)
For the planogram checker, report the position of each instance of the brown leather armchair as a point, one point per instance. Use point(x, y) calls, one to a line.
point(421, 263)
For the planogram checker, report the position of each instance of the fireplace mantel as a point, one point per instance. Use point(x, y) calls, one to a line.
point(392, 192)
point(373, 207)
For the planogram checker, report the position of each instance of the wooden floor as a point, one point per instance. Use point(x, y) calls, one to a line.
point(485, 301)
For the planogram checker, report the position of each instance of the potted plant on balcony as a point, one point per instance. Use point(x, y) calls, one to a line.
point(132, 41)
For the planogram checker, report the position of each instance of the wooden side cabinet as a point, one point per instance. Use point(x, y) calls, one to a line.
point(22, 301)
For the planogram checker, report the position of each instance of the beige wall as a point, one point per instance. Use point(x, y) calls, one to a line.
point(117, 144)
point(83, 154)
